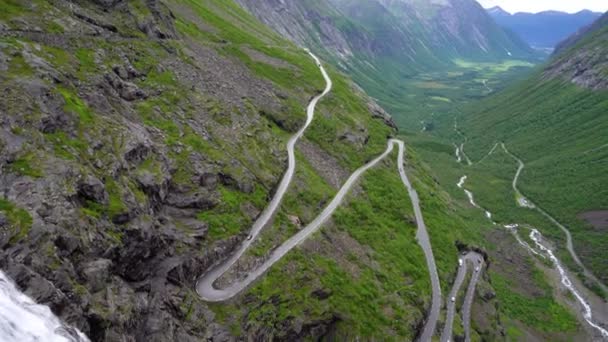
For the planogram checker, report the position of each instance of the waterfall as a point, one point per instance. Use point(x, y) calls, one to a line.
point(22, 320)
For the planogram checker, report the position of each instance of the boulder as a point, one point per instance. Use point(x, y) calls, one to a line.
point(380, 113)
point(242, 185)
point(196, 200)
point(92, 189)
point(97, 274)
point(153, 185)
point(209, 180)
point(126, 90)
point(67, 244)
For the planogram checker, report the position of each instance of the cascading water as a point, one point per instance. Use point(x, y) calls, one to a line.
point(22, 320)
point(536, 236)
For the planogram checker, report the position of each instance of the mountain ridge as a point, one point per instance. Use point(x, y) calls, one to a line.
point(544, 29)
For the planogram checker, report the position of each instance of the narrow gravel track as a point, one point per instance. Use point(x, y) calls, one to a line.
point(524, 202)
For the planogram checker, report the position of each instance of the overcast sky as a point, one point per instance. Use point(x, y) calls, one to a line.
point(543, 5)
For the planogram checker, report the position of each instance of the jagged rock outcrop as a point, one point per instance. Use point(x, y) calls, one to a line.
point(583, 58)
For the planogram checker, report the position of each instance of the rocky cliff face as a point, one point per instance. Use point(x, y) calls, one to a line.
point(128, 131)
point(419, 33)
point(583, 57)
point(292, 19)
point(458, 28)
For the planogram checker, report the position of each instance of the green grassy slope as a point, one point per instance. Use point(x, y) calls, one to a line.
point(222, 95)
point(559, 130)
point(522, 309)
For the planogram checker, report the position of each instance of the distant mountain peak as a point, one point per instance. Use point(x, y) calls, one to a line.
point(543, 30)
point(497, 10)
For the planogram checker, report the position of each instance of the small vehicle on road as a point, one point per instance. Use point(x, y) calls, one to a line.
point(453, 299)
point(249, 237)
point(459, 262)
point(477, 269)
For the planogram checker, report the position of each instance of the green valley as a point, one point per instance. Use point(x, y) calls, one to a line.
point(261, 170)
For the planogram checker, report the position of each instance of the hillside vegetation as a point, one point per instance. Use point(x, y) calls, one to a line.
point(139, 141)
point(556, 123)
point(387, 47)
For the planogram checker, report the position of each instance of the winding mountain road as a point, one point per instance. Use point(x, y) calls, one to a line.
point(470, 295)
point(476, 260)
point(524, 202)
point(208, 292)
point(205, 284)
point(425, 243)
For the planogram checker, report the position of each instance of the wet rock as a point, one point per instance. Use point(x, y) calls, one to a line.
point(36, 287)
point(92, 189)
point(97, 273)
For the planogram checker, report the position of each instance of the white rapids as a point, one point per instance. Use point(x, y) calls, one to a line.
point(22, 320)
point(469, 194)
point(536, 236)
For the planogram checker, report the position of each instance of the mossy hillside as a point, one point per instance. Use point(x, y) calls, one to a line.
point(19, 221)
point(12, 10)
point(557, 129)
point(337, 113)
point(344, 111)
point(371, 302)
point(26, 165)
point(304, 200)
point(541, 311)
point(189, 128)
point(379, 218)
point(490, 181)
